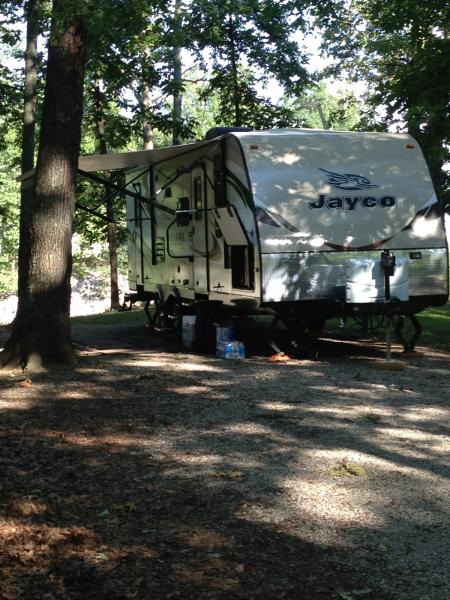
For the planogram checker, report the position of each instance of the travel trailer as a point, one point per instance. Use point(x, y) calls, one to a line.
point(306, 224)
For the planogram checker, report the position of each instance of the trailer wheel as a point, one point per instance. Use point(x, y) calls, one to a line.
point(169, 314)
point(173, 313)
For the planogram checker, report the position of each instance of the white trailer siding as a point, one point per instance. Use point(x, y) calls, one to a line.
point(290, 176)
point(279, 216)
point(323, 197)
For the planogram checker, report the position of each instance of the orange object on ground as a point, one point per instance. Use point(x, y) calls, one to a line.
point(279, 357)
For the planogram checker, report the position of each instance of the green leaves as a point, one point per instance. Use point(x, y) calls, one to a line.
point(248, 42)
point(402, 49)
point(346, 469)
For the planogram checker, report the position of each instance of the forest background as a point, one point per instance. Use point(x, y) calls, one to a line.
point(159, 73)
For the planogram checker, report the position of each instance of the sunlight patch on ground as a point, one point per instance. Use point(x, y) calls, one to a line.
point(279, 406)
point(196, 391)
point(17, 405)
point(177, 364)
point(74, 395)
point(121, 440)
point(192, 366)
point(189, 458)
point(419, 439)
point(250, 429)
point(427, 413)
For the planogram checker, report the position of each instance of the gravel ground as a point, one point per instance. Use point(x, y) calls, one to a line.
point(304, 479)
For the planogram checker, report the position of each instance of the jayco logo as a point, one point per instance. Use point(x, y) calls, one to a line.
point(349, 182)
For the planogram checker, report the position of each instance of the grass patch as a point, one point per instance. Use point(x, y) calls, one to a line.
point(435, 323)
point(436, 327)
point(127, 317)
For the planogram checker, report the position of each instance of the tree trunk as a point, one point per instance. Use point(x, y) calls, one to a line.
point(177, 79)
point(144, 97)
point(111, 226)
point(29, 112)
point(234, 72)
point(147, 127)
point(29, 118)
point(41, 331)
point(112, 246)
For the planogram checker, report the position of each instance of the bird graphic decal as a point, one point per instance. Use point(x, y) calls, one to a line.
point(347, 181)
point(269, 217)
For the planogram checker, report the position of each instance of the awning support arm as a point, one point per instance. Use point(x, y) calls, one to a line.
point(105, 182)
point(94, 213)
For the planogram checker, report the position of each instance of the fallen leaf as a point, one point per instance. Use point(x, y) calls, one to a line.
point(26, 383)
point(227, 474)
point(101, 556)
point(146, 376)
point(127, 507)
point(367, 418)
point(356, 470)
point(280, 357)
point(346, 469)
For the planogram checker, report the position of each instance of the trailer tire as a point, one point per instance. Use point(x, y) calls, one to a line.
point(173, 313)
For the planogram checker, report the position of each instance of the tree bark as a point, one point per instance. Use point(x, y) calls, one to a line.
point(41, 331)
point(177, 79)
point(29, 112)
point(234, 72)
point(29, 119)
point(111, 228)
point(147, 129)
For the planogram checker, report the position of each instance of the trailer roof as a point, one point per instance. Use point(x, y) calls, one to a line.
point(128, 160)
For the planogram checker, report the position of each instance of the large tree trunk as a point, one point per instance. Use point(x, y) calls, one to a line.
point(111, 226)
point(41, 330)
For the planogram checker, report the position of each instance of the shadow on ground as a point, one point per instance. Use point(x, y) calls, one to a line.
point(154, 473)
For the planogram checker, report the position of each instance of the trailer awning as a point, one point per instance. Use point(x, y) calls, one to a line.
point(128, 160)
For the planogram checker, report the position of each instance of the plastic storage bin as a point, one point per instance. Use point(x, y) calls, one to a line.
point(188, 338)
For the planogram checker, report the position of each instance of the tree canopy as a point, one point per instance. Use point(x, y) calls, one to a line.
point(401, 48)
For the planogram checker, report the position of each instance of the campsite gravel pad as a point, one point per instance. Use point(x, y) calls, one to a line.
point(155, 474)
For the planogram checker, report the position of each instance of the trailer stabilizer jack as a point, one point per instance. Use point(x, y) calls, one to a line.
point(410, 345)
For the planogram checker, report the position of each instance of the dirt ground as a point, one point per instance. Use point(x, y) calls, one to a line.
point(151, 472)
